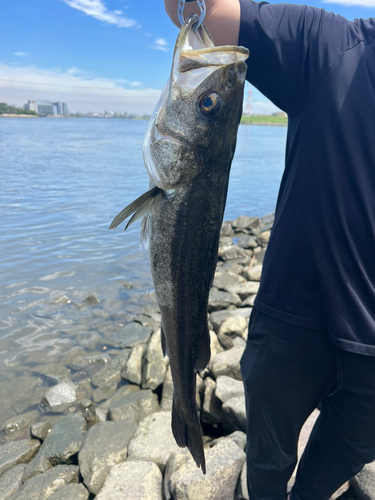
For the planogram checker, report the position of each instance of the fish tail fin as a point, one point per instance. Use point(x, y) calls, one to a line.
point(139, 208)
point(187, 433)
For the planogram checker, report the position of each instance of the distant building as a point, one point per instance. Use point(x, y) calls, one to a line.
point(45, 108)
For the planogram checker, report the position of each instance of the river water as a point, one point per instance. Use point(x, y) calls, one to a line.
point(61, 183)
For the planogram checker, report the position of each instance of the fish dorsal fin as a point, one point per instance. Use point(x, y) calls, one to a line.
point(139, 208)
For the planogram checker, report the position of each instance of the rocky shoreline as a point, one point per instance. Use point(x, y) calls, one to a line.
point(106, 432)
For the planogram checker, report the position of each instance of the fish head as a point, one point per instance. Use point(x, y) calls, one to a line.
point(197, 116)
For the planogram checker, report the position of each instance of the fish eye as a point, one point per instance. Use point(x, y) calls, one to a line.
point(210, 103)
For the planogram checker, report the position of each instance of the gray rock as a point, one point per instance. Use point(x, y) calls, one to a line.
point(167, 394)
point(62, 299)
point(238, 437)
point(224, 463)
point(55, 372)
point(244, 222)
point(130, 335)
point(219, 300)
point(214, 344)
point(101, 411)
point(246, 241)
point(136, 405)
point(133, 480)
point(175, 461)
point(11, 481)
point(153, 440)
point(17, 452)
point(227, 388)
point(17, 428)
point(111, 372)
point(154, 363)
point(227, 363)
point(104, 392)
point(84, 362)
point(70, 492)
point(363, 483)
point(105, 445)
point(60, 446)
point(92, 299)
point(249, 302)
point(223, 280)
point(263, 238)
point(242, 485)
point(234, 414)
point(226, 228)
point(211, 409)
point(244, 289)
point(253, 273)
point(218, 317)
point(234, 252)
point(260, 256)
point(232, 266)
point(132, 372)
point(60, 396)
point(44, 485)
point(40, 430)
point(230, 328)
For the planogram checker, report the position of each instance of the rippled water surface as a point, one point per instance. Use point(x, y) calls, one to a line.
point(62, 181)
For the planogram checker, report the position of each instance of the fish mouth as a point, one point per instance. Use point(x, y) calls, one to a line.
point(167, 138)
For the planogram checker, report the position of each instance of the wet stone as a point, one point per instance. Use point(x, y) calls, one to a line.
point(92, 299)
point(130, 335)
point(11, 481)
point(60, 396)
point(44, 485)
point(17, 452)
point(62, 299)
point(55, 372)
point(139, 480)
point(112, 370)
point(60, 446)
point(224, 463)
point(18, 427)
point(106, 391)
point(85, 362)
point(40, 430)
point(105, 445)
point(70, 492)
point(136, 405)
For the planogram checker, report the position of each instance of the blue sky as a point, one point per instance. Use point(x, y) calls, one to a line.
point(100, 54)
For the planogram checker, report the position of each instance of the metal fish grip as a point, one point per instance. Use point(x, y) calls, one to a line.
point(202, 8)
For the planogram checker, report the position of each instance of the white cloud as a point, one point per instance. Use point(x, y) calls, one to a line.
point(350, 3)
point(79, 89)
point(98, 10)
point(19, 53)
point(161, 44)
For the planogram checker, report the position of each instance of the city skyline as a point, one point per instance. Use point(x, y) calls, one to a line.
point(101, 54)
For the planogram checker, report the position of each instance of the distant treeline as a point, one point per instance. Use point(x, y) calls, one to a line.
point(6, 109)
point(277, 120)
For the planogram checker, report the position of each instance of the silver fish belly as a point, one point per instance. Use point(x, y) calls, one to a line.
point(188, 150)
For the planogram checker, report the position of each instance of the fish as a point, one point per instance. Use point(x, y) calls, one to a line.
point(188, 150)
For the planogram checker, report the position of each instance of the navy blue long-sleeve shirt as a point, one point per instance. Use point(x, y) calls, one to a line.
point(319, 268)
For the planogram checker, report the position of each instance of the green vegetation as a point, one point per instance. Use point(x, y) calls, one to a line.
point(11, 110)
point(265, 119)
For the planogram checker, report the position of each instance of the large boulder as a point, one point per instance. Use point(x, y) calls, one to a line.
point(227, 363)
point(138, 480)
point(111, 372)
point(130, 335)
point(11, 481)
point(101, 411)
point(17, 452)
point(44, 485)
point(153, 440)
point(60, 446)
point(134, 406)
point(132, 372)
point(218, 317)
point(363, 483)
point(70, 492)
point(105, 445)
point(224, 463)
point(154, 363)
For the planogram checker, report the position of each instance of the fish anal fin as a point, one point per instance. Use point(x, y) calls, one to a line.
point(204, 351)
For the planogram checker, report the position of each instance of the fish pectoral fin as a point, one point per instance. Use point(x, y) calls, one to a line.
point(139, 208)
point(204, 351)
point(163, 341)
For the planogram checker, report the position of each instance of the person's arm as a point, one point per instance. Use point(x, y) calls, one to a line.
point(222, 18)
